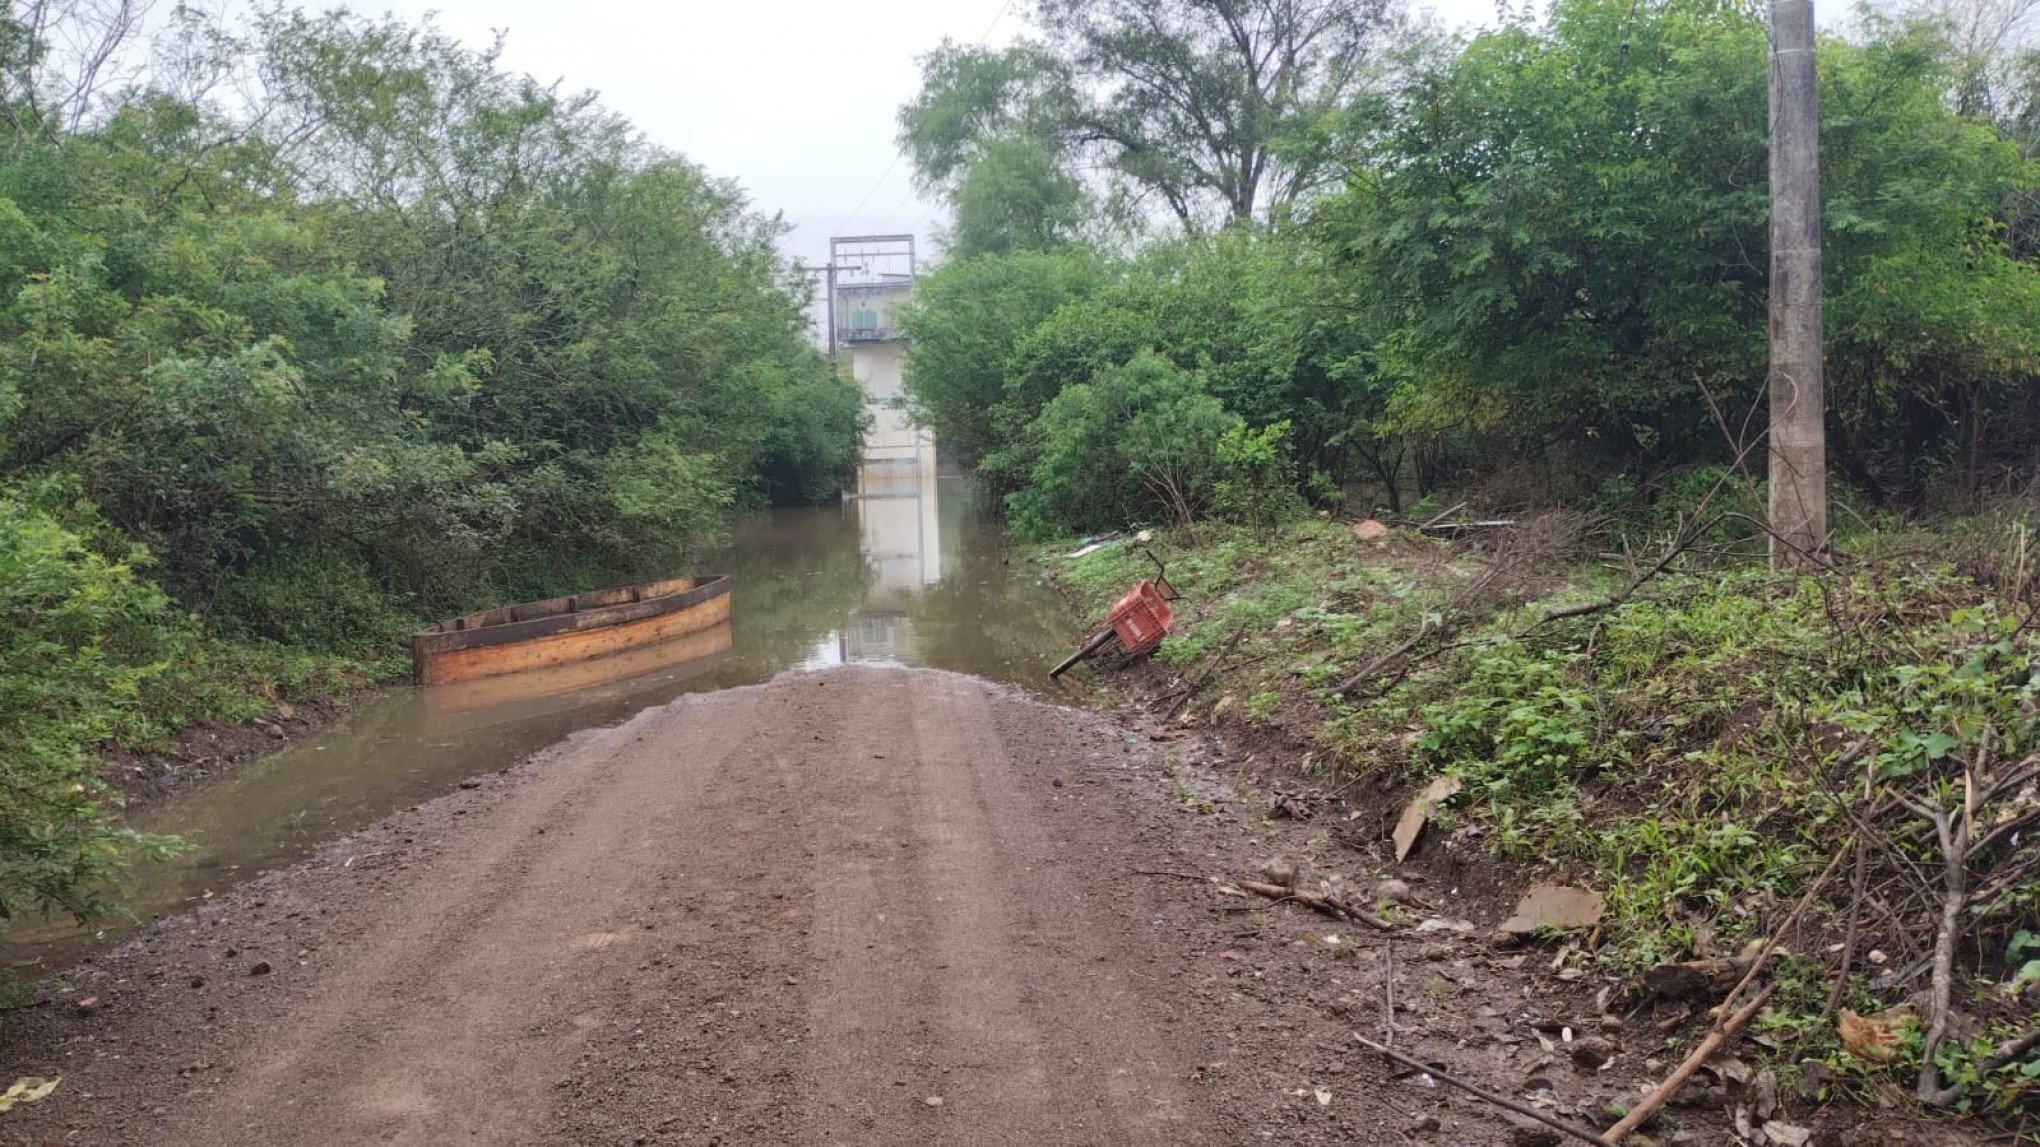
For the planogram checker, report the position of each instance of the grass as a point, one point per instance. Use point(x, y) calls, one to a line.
point(1686, 752)
point(235, 682)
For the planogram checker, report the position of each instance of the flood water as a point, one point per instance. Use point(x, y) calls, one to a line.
point(911, 572)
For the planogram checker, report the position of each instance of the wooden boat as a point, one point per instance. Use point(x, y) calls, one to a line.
point(588, 682)
point(564, 630)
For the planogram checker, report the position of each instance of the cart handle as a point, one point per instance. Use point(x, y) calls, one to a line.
point(1162, 585)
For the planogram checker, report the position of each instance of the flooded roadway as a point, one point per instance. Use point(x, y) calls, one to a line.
point(911, 573)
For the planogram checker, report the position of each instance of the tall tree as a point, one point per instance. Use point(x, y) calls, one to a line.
point(1221, 110)
point(1232, 106)
point(986, 133)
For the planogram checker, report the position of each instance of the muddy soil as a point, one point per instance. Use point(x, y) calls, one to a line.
point(862, 906)
point(212, 751)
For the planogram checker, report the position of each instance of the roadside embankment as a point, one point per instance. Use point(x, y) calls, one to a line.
point(1839, 768)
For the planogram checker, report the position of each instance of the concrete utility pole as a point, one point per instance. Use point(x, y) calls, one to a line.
point(829, 270)
point(1798, 512)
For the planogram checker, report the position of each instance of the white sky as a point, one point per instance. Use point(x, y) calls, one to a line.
point(794, 99)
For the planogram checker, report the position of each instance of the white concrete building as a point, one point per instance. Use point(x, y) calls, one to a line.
point(872, 277)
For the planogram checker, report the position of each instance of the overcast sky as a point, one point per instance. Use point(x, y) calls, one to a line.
point(794, 99)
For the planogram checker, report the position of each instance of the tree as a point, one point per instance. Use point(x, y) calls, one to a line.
point(1559, 248)
point(966, 321)
point(1224, 111)
point(1137, 443)
point(984, 133)
point(1015, 196)
point(1227, 107)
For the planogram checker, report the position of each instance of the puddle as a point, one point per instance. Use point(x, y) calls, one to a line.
point(913, 572)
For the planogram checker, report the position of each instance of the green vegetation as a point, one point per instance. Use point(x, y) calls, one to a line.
point(1527, 267)
point(323, 326)
point(1387, 273)
point(1702, 751)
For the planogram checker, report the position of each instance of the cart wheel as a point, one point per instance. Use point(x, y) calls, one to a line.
point(1097, 642)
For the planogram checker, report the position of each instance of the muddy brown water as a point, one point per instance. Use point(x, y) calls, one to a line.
point(913, 573)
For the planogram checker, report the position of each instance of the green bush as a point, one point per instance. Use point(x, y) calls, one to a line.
point(1138, 444)
point(79, 635)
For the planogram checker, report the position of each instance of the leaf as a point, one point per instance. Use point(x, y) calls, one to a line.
point(28, 1089)
point(1873, 1038)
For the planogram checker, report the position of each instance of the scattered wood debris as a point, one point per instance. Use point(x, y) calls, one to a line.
point(1418, 814)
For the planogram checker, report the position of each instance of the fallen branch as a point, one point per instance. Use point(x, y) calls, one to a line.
point(1791, 919)
point(1454, 529)
point(1167, 872)
point(1664, 562)
point(1217, 663)
point(1375, 666)
point(1728, 1026)
point(1388, 995)
point(1722, 1031)
point(1501, 1101)
point(1331, 906)
point(1680, 543)
point(2009, 1052)
point(1435, 519)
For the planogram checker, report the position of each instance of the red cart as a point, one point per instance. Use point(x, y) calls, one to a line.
point(1138, 622)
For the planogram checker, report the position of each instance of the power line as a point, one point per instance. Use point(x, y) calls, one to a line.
point(897, 156)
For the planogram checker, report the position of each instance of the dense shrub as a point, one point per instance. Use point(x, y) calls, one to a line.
point(79, 634)
point(1140, 443)
point(1544, 274)
point(386, 333)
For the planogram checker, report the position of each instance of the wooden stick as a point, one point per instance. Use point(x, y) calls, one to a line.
point(1700, 1055)
point(1456, 507)
point(1329, 905)
point(2010, 1051)
point(1388, 996)
point(1501, 1101)
point(1791, 918)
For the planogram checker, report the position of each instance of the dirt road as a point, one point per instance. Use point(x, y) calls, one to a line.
point(867, 906)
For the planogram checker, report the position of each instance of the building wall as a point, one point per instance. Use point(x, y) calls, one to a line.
point(876, 367)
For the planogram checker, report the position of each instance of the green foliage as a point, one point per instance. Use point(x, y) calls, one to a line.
point(1255, 482)
point(1015, 197)
point(1138, 444)
point(82, 635)
point(386, 333)
point(1544, 269)
point(1687, 753)
point(1221, 112)
point(456, 331)
point(965, 323)
point(1557, 235)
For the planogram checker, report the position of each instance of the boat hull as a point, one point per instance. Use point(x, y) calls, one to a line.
point(566, 630)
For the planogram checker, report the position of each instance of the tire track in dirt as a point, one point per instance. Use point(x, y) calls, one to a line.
point(783, 914)
point(469, 988)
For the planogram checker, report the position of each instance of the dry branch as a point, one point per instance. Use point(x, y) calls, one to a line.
point(1331, 906)
point(1701, 1054)
point(1501, 1101)
point(1217, 663)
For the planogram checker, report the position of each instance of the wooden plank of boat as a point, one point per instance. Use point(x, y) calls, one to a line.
point(564, 630)
point(587, 681)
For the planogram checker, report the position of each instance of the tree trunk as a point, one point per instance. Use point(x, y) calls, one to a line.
point(1798, 511)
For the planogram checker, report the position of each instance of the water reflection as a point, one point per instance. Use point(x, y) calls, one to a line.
point(900, 536)
point(910, 570)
